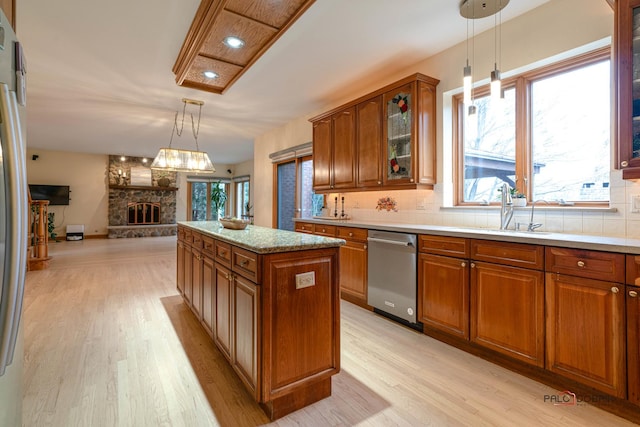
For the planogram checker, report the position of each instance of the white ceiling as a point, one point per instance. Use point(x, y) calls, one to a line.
point(100, 80)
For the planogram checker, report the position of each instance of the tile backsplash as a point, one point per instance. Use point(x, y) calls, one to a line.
point(426, 207)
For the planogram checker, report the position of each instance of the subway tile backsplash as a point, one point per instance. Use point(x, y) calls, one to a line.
point(425, 207)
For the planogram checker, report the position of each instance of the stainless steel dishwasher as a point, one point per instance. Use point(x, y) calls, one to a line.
point(392, 287)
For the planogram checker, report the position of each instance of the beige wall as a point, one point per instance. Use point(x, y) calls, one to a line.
point(86, 175)
point(554, 29)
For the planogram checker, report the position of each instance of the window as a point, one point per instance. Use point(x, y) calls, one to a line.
point(200, 206)
point(294, 192)
point(549, 137)
point(242, 203)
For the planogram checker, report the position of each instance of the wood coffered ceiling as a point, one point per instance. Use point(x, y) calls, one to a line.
point(259, 23)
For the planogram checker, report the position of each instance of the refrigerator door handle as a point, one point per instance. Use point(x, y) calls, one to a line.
point(16, 239)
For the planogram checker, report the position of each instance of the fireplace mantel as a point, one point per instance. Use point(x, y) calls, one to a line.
point(142, 187)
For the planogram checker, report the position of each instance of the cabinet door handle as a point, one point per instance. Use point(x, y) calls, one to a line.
point(244, 262)
point(473, 265)
point(223, 253)
point(580, 264)
point(350, 234)
point(463, 264)
point(379, 182)
point(624, 163)
point(633, 294)
point(615, 289)
point(324, 230)
point(365, 248)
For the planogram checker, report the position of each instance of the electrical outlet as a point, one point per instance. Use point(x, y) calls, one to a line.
point(304, 280)
point(635, 204)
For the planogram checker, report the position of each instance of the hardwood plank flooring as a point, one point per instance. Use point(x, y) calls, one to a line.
point(109, 342)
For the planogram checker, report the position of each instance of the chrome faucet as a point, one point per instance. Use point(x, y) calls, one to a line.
point(532, 226)
point(506, 207)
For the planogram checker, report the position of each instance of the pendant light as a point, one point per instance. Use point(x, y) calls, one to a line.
point(178, 160)
point(467, 80)
point(496, 83)
point(477, 9)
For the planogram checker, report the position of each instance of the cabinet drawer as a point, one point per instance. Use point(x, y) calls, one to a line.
point(506, 253)
point(352, 233)
point(605, 266)
point(442, 245)
point(181, 232)
point(325, 230)
point(188, 235)
point(208, 245)
point(196, 240)
point(245, 263)
point(223, 253)
point(304, 227)
point(633, 270)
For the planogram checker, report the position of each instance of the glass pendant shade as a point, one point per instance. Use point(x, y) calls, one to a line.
point(496, 85)
point(173, 159)
point(466, 84)
point(177, 160)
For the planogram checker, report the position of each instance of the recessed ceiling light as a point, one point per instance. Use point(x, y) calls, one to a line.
point(233, 42)
point(144, 160)
point(210, 74)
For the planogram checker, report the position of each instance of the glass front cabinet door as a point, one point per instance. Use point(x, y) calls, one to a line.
point(628, 84)
point(399, 134)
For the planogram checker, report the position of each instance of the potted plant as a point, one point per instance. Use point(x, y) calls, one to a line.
point(218, 199)
point(519, 199)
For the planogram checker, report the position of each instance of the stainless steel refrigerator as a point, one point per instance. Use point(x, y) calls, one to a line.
point(14, 217)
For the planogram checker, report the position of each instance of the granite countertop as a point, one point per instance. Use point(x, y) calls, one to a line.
point(578, 241)
point(263, 240)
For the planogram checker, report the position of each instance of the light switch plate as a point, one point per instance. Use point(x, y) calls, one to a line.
point(304, 280)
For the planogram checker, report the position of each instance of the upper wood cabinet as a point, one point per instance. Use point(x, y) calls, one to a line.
point(334, 151)
point(369, 142)
point(385, 139)
point(627, 54)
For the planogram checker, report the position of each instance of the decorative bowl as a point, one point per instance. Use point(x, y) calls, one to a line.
point(234, 223)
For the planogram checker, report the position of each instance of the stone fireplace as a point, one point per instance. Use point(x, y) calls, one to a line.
point(142, 205)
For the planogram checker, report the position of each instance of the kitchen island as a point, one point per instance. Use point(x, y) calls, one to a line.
point(269, 299)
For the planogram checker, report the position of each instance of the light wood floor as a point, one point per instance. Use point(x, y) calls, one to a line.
point(108, 342)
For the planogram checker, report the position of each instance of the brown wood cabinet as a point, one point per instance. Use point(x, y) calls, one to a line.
point(334, 151)
point(369, 143)
point(196, 282)
point(9, 9)
point(224, 310)
point(188, 276)
point(633, 328)
point(353, 265)
point(246, 314)
point(281, 340)
point(507, 303)
point(585, 318)
point(208, 294)
point(385, 139)
point(627, 48)
point(633, 343)
point(180, 265)
point(443, 284)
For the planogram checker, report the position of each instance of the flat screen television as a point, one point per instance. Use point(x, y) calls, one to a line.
point(55, 194)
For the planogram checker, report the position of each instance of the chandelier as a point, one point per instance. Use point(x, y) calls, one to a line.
point(177, 160)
